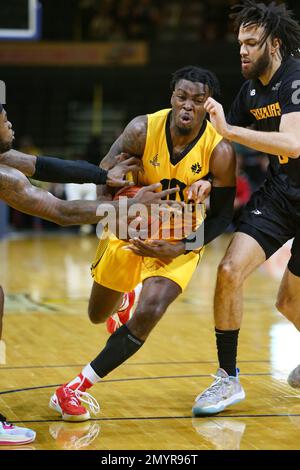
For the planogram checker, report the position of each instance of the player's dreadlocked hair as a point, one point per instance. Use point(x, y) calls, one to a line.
point(277, 20)
point(197, 74)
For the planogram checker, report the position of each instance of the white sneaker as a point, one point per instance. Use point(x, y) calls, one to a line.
point(14, 435)
point(294, 377)
point(223, 392)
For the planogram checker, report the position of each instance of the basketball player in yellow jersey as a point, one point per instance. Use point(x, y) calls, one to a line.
point(178, 147)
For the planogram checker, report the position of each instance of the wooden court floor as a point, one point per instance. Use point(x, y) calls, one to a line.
point(145, 403)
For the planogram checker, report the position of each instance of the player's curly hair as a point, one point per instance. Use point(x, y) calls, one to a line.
point(277, 21)
point(197, 74)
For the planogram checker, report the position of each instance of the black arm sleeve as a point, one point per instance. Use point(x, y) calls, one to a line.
point(58, 170)
point(221, 214)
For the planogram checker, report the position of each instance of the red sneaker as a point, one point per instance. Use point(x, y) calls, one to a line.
point(123, 314)
point(67, 402)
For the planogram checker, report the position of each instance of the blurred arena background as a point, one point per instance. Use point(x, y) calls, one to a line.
point(92, 65)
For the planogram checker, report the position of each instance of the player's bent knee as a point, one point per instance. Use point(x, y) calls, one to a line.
point(229, 272)
point(289, 307)
point(145, 318)
point(95, 316)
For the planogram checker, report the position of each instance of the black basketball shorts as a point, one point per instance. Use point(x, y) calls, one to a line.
point(272, 224)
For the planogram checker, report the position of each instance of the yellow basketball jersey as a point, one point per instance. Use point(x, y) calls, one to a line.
point(157, 159)
point(129, 269)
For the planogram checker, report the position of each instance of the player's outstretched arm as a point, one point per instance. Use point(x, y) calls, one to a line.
point(19, 193)
point(284, 143)
point(59, 170)
point(19, 160)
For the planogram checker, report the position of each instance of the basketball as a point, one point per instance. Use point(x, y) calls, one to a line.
point(128, 191)
point(165, 226)
point(162, 227)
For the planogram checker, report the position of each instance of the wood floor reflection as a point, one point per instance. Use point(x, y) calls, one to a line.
point(145, 403)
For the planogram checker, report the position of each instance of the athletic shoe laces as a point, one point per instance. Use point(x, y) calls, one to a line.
point(5, 423)
point(213, 388)
point(88, 399)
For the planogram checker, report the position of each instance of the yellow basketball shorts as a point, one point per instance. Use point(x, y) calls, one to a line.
point(121, 270)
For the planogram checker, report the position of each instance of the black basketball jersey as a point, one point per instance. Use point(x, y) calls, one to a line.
point(262, 107)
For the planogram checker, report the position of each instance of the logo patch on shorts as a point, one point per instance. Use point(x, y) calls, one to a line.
point(256, 212)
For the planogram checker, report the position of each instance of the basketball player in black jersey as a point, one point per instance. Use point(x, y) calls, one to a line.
point(269, 103)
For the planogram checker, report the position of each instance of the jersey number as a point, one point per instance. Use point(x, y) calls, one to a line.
point(174, 183)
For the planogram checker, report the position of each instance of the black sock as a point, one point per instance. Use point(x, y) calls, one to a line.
point(227, 341)
point(120, 346)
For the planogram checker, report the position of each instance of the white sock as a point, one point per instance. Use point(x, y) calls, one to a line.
point(89, 373)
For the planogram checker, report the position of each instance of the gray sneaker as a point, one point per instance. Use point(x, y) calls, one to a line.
point(223, 392)
point(294, 377)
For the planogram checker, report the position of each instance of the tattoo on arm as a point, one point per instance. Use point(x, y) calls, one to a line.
point(20, 194)
point(110, 158)
point(131, 141)
point(19, 160)
point(134, 136)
